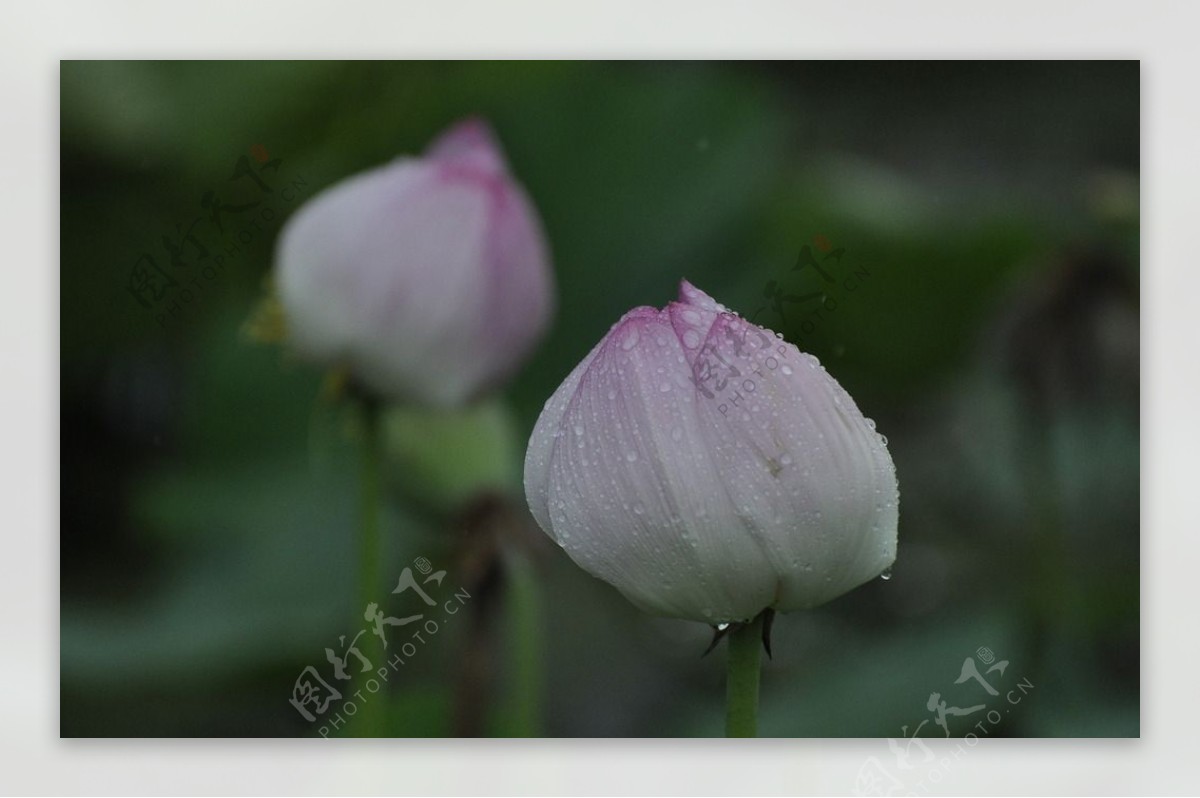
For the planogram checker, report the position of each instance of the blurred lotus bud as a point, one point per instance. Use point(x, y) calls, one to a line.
point(709, 470)
point(428, 279)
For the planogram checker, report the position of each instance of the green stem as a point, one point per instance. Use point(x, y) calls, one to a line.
point(525, 627)
point(373, 709)
point(741, 693)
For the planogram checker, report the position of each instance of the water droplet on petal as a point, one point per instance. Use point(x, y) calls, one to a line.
point(630, 341)
point(887, 574)
point(631, 456)
point(786, 369)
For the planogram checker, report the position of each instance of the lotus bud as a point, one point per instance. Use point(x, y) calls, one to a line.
point(709, 470)
point(428, 279)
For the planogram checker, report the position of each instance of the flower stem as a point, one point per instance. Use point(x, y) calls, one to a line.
point(741, 693)
point(370, 543)
point(525, 624)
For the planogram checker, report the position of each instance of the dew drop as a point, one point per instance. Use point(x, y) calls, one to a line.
point(887, 574)
point(677, 434)
point(785, 459)
point(630, 340)
point(578, 429)
point(721, 627)
point(631, 456)
point(690, 316)
point(665, 387)
point(786, 369)
point(691, 339)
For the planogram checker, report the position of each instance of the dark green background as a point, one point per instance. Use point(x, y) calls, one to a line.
point(208, 497)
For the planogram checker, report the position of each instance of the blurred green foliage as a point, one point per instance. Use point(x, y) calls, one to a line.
point(988, 209)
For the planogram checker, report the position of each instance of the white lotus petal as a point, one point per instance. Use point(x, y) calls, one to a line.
point(710, 481)
point(428, 277)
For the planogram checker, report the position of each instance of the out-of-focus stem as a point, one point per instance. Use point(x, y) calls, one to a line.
point(525, 622)
point(372, 711)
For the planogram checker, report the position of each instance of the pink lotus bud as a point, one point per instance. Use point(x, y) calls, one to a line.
point(708, 470)
point(429, 278)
